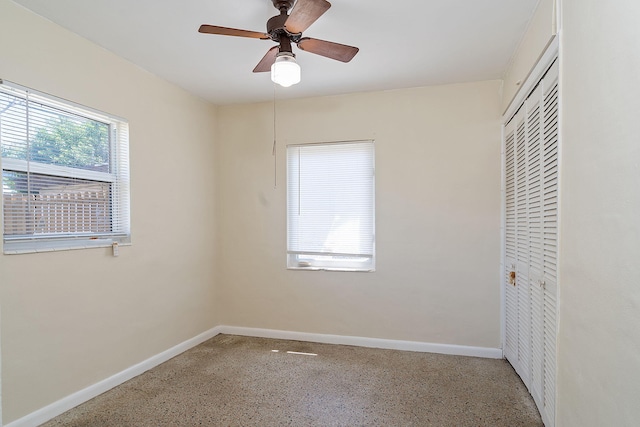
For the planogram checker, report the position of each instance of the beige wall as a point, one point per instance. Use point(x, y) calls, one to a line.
point(437, 217)
point(599, 335)
point(70, 319)
point(540, 31)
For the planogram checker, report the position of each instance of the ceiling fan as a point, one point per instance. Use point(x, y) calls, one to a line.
point(286, 29)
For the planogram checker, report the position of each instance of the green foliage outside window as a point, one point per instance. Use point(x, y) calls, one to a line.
point(71, 143)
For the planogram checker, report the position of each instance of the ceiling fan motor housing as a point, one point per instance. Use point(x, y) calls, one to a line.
point(276, 26)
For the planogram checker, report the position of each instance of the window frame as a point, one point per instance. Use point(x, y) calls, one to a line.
point(117, 178)
point(312, 261)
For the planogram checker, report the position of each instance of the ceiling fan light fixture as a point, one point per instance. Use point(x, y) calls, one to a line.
point(285, 71)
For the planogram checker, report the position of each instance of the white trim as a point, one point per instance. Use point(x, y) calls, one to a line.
point(70, 243)
point(423, 347)
point(559, 240)
point(43, 415)
point(503, 230)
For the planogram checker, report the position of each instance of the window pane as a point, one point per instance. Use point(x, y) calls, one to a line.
point(13, 127)
point(54, 137)
point(48, 205)
point(330, 205)
point(65, 173)
point(65, 139)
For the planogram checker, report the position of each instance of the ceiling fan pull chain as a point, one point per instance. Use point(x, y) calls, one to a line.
point(274, 151)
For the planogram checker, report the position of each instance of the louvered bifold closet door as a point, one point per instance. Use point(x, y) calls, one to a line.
point(523, 366)
point(534, 112)
point(511, 293)
point(531, 241)
point(550, 242)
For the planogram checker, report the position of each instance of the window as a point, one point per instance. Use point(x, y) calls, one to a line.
point(65, 174)
point(330, 206)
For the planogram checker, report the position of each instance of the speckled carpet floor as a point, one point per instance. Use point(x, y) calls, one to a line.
point(240, 381)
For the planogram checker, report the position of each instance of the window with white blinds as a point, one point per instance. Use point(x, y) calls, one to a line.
point(65, 173)
point(330, 206)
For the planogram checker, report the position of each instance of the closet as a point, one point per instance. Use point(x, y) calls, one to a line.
point(530, 162)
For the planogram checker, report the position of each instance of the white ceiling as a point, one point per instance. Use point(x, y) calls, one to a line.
point(406, 43)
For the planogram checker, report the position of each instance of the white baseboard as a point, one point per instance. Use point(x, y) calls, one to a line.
point(53, 410)
point(457, 350)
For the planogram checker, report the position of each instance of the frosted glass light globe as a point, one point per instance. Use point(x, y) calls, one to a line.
point(285, 71)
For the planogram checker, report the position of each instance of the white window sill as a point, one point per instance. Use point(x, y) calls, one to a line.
point(56, 245)
point(329, 269)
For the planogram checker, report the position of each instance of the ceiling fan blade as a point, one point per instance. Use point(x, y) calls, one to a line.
point(224, 31)
point(267, 61)
point(305, 13)
point(337, 51)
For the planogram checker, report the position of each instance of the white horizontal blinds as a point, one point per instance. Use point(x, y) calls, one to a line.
point(330, 203)
point(13, 126)
point(60, 170)
point(120, 196)
point(37, 204)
